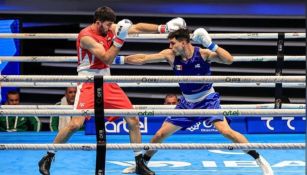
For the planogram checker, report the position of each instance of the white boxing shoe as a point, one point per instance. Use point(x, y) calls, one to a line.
point(129, 170)
point(265, 166)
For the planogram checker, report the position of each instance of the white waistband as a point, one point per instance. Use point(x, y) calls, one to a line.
point(104, 72)
point(193, 98)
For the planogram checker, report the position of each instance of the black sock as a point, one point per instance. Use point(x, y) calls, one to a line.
point(146, 158)
point(253, 153)
point(51, 153)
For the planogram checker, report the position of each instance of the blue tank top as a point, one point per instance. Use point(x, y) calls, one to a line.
point(194, 66)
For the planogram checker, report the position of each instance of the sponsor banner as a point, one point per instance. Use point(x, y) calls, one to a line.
point(121, 127)
point(150, 125)
point(276, 125)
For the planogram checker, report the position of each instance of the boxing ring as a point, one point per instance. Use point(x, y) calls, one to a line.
point(166, 162)
point(218, 155)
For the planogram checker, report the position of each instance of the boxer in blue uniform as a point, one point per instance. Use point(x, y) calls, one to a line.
point(187, 60)
point(195, 96)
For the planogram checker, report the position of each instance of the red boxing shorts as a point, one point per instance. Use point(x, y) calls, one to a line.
point(114, 98)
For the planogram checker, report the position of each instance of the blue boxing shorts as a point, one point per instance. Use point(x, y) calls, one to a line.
point(212, 101)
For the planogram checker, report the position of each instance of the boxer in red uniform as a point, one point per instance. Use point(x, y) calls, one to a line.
point(98, 44)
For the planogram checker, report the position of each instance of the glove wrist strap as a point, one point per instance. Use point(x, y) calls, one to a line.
point(118, 42)
point(119, 60)
point(213, 47)
point(162, 28)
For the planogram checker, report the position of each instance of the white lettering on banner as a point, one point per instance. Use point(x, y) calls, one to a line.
point(209, 164)
point(268, 120)
point(143, 126)
point(288, 123)
point(240, 164)
point(289, 119)
point(290, 163)
point(124, 126)
point(112, 127)
point(212, 164)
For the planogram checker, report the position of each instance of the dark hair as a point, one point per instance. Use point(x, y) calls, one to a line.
point(170, 95)
point(104, 14)
point(66, 90)
point(180, 34)
point(12, 92)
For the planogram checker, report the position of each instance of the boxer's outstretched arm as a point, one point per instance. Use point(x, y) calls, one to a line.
point(170, 26)
point(140, 59)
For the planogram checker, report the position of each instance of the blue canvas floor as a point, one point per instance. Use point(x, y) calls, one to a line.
point(165, 162)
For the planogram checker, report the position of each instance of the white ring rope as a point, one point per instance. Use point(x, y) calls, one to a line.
point(153, 36)
point(271, 85)
point(144, 85)
point(38, 84)
point(75, 58)
point(154, 146)
point(156, 112)
point(155, 79)
point(40, 58)
point(267, 58)
point(237, 106)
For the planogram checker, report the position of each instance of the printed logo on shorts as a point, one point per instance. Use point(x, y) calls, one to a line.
point(81, 105)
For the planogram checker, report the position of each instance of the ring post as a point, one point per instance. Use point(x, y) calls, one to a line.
point(100, 126)
point(278, 69)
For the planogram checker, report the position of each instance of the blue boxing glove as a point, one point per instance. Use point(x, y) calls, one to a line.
point(201, 36)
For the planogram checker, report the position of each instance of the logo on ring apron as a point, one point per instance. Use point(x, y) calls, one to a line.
point(122, 127)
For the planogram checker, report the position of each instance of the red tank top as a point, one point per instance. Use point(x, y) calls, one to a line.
point(86, 60)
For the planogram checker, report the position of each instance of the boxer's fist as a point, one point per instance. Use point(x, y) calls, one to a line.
point(172, 25)
point(121, 32)
point(201, 36)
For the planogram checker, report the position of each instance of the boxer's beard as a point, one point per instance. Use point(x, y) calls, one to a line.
point(103, 33)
